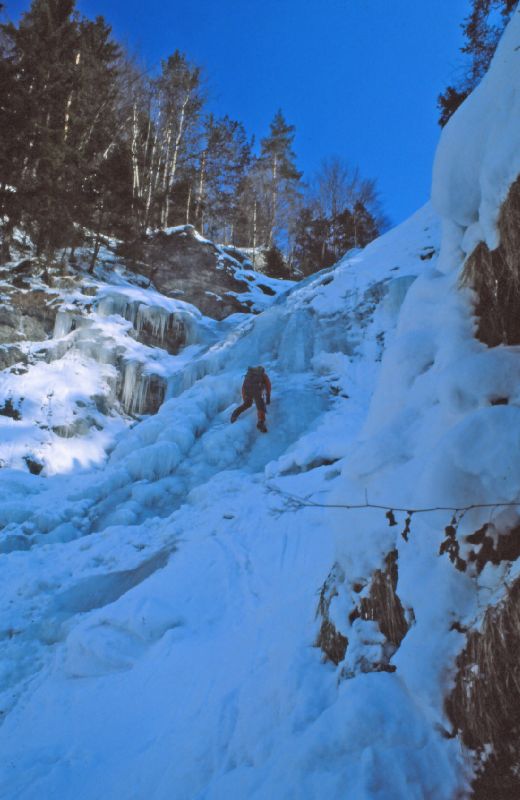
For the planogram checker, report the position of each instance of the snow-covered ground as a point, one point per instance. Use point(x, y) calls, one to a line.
point(163, 605)
point(160, 609)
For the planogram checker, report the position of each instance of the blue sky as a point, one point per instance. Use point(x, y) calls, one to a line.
point(358, 78)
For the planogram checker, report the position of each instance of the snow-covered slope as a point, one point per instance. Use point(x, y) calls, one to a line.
point(161, 633)
point(202, 616)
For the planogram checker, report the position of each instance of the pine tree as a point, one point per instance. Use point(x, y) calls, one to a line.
point(275, 263)
point(277, 176)
point(311, 246)
point(93, 138)
point(12, 139)
point(66, 81)
point(482, 30)
point(43, 52)
point(222, 166)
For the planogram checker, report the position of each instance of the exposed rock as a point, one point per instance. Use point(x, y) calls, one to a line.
point(79, 427)
point(331, 642)
point(484, 705)
point(9, 355)
point(27, 315)
point(487, 545)
point(378, 604)
point(8, 410)
point(383, 604)
point(495, 276)
point(181, 264)
point(35, 467)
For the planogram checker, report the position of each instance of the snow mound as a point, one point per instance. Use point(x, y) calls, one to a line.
point(478, 157)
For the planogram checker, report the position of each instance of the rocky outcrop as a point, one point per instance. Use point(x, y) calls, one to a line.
point(180, 263)
point(27, 309)
point(377, 622)
point(330, 640)
point(484, 705)
point(495, 276)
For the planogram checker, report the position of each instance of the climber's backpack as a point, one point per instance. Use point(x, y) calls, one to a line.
point(254, 380)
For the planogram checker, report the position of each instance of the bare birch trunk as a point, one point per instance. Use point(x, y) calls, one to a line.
point(200, 194)
point(176, 149)
point(254, 235)
point(153, 169)
point(69, 104)
point(188, 206)
point(274, 200)
point(166, 177)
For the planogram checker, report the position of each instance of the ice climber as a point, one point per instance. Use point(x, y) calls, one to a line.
point(256, 387)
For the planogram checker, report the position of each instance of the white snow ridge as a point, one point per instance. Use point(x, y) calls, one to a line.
point(168, 578)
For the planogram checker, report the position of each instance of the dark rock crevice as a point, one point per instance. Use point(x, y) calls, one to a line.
point(495, 276)
point(383, 604)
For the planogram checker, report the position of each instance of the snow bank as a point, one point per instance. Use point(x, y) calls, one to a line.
point(478, 157)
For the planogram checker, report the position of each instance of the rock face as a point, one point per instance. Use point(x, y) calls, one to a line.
point(376, 625)
point(484, 703)
point(83, 354)
point(180, 263)
point(493, 274)
point(26, 310)
point(77, 354)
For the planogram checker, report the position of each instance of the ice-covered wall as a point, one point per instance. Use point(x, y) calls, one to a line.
point(152, 324)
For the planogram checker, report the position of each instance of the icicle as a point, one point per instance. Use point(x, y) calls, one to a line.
point(154, 320)
point(141, 393)
point(131, 376)
point(63, 325)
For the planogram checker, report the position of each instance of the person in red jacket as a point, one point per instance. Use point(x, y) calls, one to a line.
point(255, 388)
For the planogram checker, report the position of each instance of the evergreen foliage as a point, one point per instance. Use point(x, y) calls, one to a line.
point(278, 176)
point(275, 264)
point(92, 146)
point(341, 212)
point(482, 30)
point(61, 122)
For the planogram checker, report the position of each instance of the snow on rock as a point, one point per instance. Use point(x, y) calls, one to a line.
point(440, 432)
point(218, 279)
point(84, 355)
point(110, 356)
point(478, 157)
